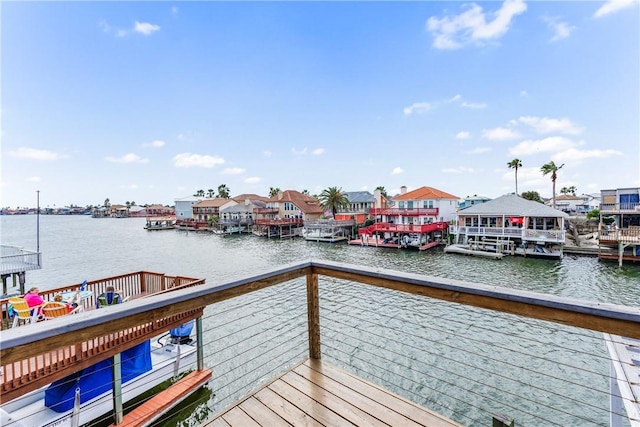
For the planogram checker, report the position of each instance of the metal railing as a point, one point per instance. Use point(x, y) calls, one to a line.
point(405, 211)
point(625, 207)
point(465, 350)
point(512, 232)
point(14, 259)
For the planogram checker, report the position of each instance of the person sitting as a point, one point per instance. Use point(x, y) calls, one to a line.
point(70, 306)
point(34, 299)
point(109, 297)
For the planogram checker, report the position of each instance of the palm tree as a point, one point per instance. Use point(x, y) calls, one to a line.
point(211, 193)
point(333, 199)
point(305, 192)
point(273, 191)
point(199, 193)
point(569, 190)
point(515, 164)
point(107, 202)
point(223, 191)
point(552, 168)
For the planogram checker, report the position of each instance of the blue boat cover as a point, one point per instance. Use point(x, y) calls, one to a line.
point(183, 330)
point(97, 379)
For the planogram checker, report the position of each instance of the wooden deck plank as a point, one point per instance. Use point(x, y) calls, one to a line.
point(237, 417)
point(166, 399)
point(362, 398)
point(285, 409)
point(420, 415)
point(317, 411)
point(341, 406)
point(316, 393)
point(258, 411)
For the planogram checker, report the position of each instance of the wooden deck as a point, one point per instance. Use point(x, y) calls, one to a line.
point(316, 393)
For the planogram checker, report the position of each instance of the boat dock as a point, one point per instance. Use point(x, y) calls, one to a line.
point(318, 393)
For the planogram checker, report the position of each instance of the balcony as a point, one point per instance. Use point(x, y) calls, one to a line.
point(266, 211)
point(14, 259)
point(294, 340)
point(620, 208)
point(404, 212)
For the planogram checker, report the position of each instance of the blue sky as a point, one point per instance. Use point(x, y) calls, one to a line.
point(152, 101)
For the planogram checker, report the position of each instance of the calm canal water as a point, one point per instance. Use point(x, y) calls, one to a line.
point(79, 247)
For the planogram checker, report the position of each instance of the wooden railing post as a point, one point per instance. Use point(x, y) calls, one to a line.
point(313, 314)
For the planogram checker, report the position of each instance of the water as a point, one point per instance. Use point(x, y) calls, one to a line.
point(79, 247)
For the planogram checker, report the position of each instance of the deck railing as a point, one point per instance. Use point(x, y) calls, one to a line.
point(465, 350)
point(625, 207)
point(130, 286)
point(405, 211)
point(14, 259)
point(512, 232)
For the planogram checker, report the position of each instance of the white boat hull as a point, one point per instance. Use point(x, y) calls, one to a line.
point(30, 410)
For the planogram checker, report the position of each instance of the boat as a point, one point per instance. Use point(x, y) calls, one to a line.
point(160, 223)
point(86, 396)
point(324, 234)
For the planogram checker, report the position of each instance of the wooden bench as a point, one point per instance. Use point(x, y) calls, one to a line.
point(159, 404)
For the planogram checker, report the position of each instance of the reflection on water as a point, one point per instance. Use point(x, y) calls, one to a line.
point(78, 248)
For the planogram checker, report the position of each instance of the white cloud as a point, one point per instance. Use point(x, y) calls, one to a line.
point(479, 150)
point(473, 26)
point(573, 154)
point(417, 108)
point(561, 30)
point(34, 179)
point(266, 153)
point(523, 93)
point(463, 135)
point(612, 6)
point(500, 134)
point(458, 170)
point(130, 186)
point(232, 171)
point(174, 10)
point(456, 98)
point(551, 144)
point(145, 28)
point(473, 105)
point(397, 171)
point(318, 151)
point(155, 144)
point(35, 154)
point(548, 125)
point(296, 152)
point(188, 160)
point(252, 180)
point(127, 158)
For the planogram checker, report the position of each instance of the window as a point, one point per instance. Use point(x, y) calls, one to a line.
point(427, 204)
point(401, 205)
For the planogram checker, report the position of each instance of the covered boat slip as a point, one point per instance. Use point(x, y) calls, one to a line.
point(316, 393)
point(330, 294)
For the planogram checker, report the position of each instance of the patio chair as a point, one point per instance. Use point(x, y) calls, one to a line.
point(22, 312)
point(51, 310)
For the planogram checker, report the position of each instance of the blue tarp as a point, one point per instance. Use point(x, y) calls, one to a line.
point(97, 379)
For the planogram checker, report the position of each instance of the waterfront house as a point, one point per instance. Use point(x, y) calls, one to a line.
point(360, 204)
point(472, 201)
point(620, 224)
point(418, 219)
point(423, 205)
point(284, 214)
point(158, 210)
point(184, 207)
point(511, 224)
point(208, 209)
point(569, 203)
point(236, 215)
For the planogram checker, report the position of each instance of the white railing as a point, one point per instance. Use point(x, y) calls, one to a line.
point(14, 259)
